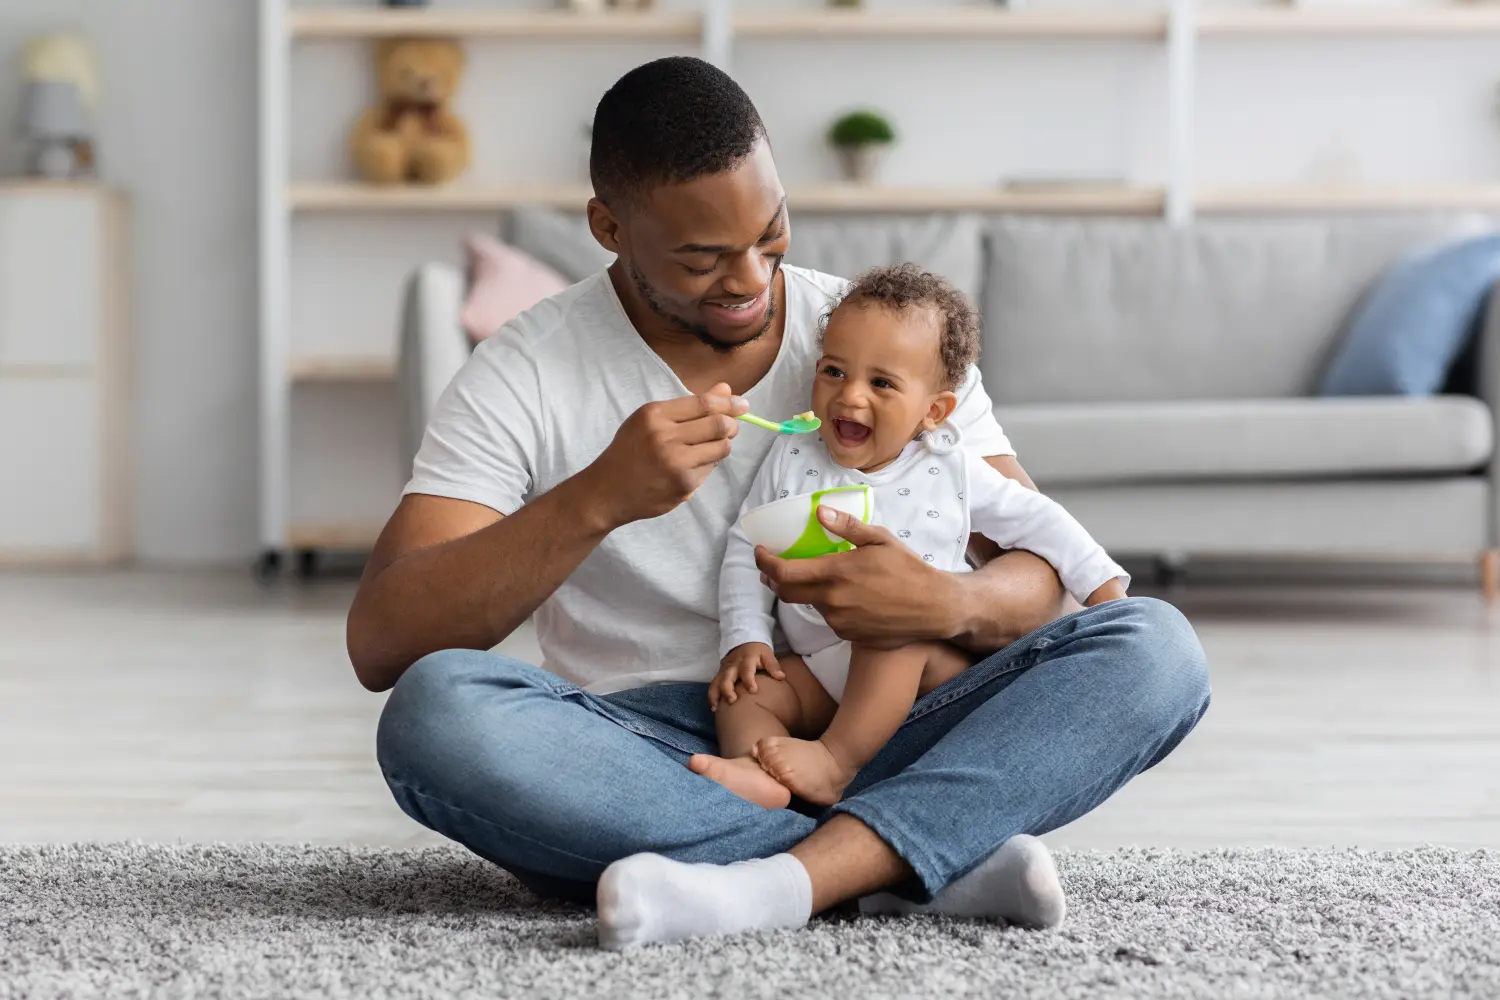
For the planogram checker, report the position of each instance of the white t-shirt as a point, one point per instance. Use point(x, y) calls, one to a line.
point(541, 399)
point(931, 498)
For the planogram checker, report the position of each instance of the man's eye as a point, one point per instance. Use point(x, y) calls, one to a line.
point(700, 271)
point(774, 236)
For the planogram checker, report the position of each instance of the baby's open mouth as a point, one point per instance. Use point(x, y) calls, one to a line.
point(851, 434)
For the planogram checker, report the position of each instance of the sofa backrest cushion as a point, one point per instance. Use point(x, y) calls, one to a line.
point(1089, 310)
point(950, 245)
point(561, 240)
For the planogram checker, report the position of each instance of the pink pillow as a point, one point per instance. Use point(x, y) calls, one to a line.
point(503, 283)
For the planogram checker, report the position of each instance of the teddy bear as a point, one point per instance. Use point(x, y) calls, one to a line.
point(411, 135)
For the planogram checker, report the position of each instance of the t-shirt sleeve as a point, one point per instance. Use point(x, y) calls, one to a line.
point(975, 417)
point(485, 435)
point(1015, 517)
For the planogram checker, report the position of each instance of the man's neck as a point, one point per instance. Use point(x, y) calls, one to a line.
point(698, 365)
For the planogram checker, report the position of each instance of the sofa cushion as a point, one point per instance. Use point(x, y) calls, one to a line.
point(950, 245)
point(1409, 330)
point(1106, 443)
point(561, 240)
point(1113, 310)
point(503, 283)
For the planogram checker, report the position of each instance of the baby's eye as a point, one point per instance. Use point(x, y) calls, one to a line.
point(832, 371)
point(882, 383)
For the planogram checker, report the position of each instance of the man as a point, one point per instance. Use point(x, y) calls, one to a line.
point(584, 467)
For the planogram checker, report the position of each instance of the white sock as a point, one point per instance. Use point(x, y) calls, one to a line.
point(649, 899)
point(1017, 884)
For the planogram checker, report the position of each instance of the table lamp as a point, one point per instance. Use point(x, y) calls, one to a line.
point(54, 120)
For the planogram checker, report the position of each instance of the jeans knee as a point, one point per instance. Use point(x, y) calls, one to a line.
point(1163, 655)
point(427, 706)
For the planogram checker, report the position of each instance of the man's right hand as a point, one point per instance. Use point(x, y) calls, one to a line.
point(663, 452)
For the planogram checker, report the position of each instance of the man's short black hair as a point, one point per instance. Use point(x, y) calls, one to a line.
point(666, 122)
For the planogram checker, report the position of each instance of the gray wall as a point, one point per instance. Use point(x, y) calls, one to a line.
point(177, 117)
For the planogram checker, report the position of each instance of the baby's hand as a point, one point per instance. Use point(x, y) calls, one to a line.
point(739, 666)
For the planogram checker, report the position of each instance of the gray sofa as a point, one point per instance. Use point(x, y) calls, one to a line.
point(1156, 381)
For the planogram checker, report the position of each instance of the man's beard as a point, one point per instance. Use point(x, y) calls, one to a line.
point(697, 329)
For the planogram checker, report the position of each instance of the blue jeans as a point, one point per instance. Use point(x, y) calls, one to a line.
point(553, 783)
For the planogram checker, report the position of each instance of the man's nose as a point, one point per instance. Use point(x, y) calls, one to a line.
point(749, 274)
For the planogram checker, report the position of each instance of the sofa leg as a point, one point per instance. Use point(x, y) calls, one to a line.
point(1489, 575)
point(1168, 569)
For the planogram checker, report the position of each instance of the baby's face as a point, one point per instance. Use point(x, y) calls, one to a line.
point(879, 383)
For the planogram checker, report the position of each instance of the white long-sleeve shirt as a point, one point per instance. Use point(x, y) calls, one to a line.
point(932, 497)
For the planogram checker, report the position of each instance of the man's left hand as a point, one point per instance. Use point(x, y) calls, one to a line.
point(882, 594)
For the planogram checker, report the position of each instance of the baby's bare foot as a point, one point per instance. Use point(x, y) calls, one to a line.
point(805, 766)
point(744, 777)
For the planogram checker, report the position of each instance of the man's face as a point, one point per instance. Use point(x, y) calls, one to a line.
point(704, 254)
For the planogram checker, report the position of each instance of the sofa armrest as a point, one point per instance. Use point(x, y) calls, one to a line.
point(432, 348)
point(1487, 383)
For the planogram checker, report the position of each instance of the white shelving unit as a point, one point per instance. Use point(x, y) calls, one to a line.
point(1178, 27)
point(65, 374)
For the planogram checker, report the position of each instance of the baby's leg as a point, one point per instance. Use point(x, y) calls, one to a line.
point(944, 663)
point(877, 698)
point(796, 705)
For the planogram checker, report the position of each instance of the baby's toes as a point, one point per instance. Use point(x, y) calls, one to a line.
point(768, 752)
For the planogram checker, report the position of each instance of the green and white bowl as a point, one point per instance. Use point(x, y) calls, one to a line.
point(790, 528)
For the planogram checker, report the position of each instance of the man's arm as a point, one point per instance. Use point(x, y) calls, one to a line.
point(882, 594)
point(448, 574)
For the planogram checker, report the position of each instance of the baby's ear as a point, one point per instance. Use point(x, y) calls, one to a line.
point(940, 409)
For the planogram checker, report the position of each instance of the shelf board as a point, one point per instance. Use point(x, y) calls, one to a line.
point(345, 369)
point(1082, 199)
point(333, 537)
point(373, 22)
point(362, 22)
point(815, 198)
point(1334, 198)
point(1295, 21)
point(454, 197)
point(954, 23)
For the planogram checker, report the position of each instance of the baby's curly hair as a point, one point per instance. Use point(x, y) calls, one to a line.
point(905, 286)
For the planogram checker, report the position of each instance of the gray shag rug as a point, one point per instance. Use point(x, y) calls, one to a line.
point(276, 921)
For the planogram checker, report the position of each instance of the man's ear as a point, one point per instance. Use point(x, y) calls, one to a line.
point(941, 408)
point(604, 225)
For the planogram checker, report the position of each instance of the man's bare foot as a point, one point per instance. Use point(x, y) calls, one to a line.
point(805, 766)
point(744, 777)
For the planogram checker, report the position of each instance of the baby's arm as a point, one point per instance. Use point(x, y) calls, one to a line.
point(1014, 517)
point(745, 604)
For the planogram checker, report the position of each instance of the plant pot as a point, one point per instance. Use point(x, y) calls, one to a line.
point(862, 164)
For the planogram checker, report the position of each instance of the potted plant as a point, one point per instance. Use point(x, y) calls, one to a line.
point(861, 139)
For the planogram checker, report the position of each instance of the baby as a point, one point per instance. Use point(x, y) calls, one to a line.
point(894, 350)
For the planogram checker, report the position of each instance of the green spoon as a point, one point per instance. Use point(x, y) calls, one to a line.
point(800, 424)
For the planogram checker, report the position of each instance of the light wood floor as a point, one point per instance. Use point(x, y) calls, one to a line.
point(195, 707)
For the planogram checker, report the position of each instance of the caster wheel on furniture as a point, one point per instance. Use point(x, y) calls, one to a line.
point(307, 563)
point(267, 567)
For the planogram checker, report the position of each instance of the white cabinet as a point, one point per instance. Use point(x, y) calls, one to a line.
point(64, 375)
